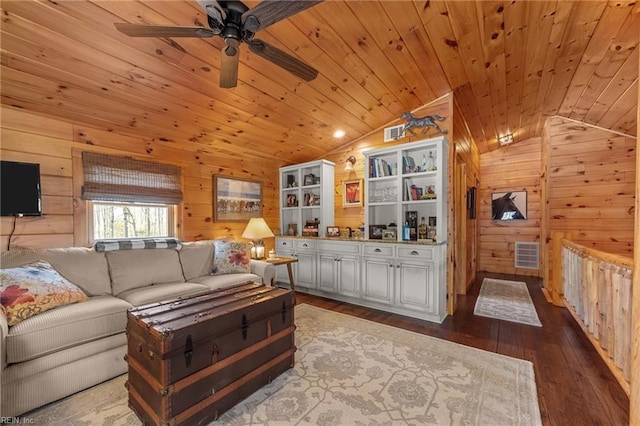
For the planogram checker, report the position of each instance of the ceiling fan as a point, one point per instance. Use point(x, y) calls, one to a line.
point(235, 23)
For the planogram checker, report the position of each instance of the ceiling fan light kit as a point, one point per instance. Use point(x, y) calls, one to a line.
point(235, 23)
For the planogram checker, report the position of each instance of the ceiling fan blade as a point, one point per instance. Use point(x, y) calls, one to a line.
point(139, 30)
point(229, 67)
point(271, 11)
point(282, 59)
point(213, 9)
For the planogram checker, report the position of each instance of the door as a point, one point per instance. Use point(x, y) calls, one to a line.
point(415, 286)
point(348, 275)
point(306, 276)
point(327, 265)
point(377, 279)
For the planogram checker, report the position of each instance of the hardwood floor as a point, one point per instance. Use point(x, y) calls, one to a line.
point(575, 387)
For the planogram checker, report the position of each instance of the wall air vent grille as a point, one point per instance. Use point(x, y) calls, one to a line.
point(394, 133)
point(527, 255)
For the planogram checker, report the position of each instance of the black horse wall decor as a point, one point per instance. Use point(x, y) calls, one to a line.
point(506, 206)
point(422, 122)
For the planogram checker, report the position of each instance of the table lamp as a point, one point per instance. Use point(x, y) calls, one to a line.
point(256, 230)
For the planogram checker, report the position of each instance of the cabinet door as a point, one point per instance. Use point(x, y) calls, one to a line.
point(327, 265)
point(415, 286)
point(349, 276)
point(306, 276)
point(377, 279)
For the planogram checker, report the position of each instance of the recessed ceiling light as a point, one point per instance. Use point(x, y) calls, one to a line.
point(506, 139)
point(339, 134)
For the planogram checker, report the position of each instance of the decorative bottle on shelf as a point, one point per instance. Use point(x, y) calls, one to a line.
point(406, 232)
point(422, 229)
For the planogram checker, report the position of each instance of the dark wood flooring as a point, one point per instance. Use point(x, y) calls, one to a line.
point(575, 387)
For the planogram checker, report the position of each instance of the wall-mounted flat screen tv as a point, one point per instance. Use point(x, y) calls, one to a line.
point(20, 186)
point(510, 205)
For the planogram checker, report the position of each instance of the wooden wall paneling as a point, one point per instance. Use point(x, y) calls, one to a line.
point(634, 400)
point(497, 238)
point(467, 155)
point(590, 183)
point(468, 108)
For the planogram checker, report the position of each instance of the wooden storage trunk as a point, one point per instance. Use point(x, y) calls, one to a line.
point(192, 359)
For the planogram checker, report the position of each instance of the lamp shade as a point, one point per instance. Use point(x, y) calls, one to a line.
point(257, 229)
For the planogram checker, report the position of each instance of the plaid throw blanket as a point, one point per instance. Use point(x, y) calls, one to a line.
point(145, 243)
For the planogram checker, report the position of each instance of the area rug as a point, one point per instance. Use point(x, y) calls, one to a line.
point(506, 300)
point(351, 371)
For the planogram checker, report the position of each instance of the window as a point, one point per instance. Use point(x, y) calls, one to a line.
point(129, 198)
point(115, 220)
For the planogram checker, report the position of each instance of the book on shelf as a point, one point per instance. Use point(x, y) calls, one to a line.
point(379, 168)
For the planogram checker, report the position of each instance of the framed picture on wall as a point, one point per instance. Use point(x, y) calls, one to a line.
point(352, 196)
point(236, 199)
point(510, 205)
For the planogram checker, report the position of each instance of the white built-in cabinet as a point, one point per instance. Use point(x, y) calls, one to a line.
point(405, 178)
point(407, 278)
point(404, 278)
point(306, 194)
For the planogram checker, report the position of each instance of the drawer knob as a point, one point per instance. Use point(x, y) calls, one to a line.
point(378, 250)
point(414, 253)
point(304, 245)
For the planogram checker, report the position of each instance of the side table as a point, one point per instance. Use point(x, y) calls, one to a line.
point(276, 261)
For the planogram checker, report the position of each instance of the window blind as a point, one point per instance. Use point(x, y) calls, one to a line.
point(124, 179)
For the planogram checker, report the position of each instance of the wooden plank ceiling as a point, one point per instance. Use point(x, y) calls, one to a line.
point(510, 64)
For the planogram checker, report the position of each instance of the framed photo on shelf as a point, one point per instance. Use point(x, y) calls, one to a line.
point(389, 234)
point(333, 231)
point(308, 179)
point(375, 231)
point(352, 195)
point(292, 200)
point(236, 199)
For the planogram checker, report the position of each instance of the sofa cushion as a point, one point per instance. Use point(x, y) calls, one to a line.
point(196, 258)
point(65, 327)
point(139, 268)
point(29, 290)
point(231, 257)
point(215, 282)
point(84, 267)
point(158, 292)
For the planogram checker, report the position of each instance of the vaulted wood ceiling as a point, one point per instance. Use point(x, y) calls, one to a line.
point(510, 64)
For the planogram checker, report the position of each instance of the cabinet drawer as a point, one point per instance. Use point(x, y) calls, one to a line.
point(282, 243)
point(339, 247)
point(423, 253)
point(305, 245)
point(385, 250)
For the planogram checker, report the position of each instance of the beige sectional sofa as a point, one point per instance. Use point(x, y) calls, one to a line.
point(69, 348)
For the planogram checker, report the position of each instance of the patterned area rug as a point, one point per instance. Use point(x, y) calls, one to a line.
point(350, 371)
point(506, 300)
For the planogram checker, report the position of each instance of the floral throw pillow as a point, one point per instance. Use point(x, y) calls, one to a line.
point(231, 258)
point(28, 290)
